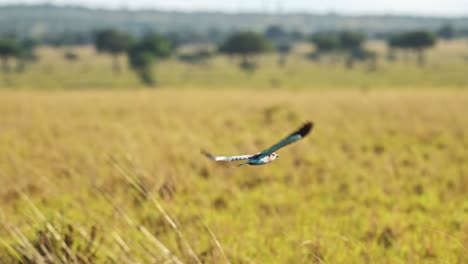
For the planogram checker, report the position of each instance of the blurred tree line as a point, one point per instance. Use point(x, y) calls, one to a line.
point(21, 50)
point(145, 51)
point(416, 41)
point(345, 44)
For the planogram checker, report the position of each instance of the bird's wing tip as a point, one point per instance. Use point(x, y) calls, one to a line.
point(305, 129)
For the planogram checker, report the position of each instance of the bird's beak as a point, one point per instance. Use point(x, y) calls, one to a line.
point(278, 155)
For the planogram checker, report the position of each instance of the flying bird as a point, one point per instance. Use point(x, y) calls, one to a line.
point(268, 155)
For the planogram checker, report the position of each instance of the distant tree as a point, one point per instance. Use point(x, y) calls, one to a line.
point(351, 40)
point(393, 42)
point(283, 50)
point(9, 48)
point(246, 45)
point(113, 42)
point(26, 53)
point(158, 45)
point(142, 62)
point(346, 43)
point(396, 41)
point(325, 42)
point(143, 55)
point(418, 41)
point(275, 33)
point(446, 31)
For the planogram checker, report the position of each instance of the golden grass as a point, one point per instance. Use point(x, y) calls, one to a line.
point(98, 177)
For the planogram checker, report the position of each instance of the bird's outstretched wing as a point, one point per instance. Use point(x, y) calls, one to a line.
point(295, 136)
point(226, 158)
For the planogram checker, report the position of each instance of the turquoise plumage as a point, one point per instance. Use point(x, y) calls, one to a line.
point(268, 155)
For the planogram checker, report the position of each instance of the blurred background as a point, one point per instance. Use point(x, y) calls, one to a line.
point(119, 44)
point(105, 106)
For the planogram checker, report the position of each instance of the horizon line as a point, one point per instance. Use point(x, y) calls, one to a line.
point(246, 11)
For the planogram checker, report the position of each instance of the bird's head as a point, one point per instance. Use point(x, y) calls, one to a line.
point(274, 156)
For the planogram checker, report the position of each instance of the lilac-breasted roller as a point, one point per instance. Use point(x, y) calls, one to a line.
point(269, 154)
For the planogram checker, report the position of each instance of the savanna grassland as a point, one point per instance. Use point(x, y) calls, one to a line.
point(115, 174)
point(95, 176)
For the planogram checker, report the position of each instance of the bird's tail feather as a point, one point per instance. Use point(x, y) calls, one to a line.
point(208, 154)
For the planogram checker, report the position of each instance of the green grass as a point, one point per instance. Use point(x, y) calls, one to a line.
point(381, 179)
point(446, 69)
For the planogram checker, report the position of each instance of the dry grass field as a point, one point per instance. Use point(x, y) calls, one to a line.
point(117, 177)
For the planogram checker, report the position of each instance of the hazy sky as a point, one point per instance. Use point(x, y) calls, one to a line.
point(412, 7)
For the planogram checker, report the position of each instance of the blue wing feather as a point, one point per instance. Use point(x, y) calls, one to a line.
point(295, 136)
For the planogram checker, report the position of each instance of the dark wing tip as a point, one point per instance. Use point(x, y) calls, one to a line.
point(305, 129)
